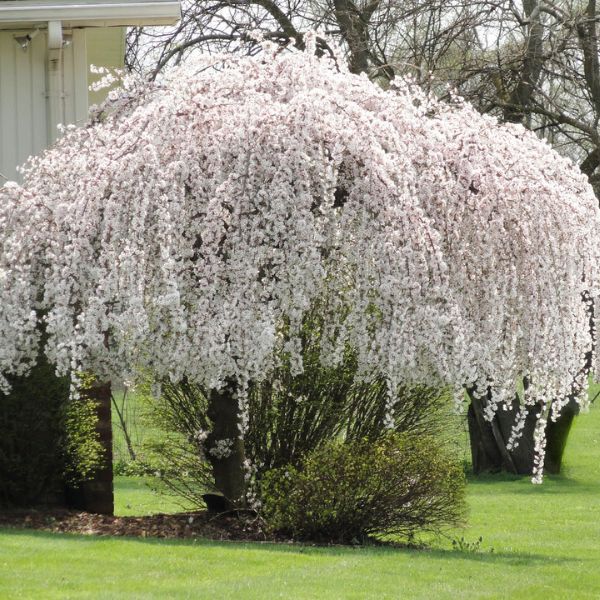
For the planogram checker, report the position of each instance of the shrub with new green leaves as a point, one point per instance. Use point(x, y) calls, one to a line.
point(31, 460)
point(80, 445)
point(289, 415)
point(47, 441)
point(348, 492)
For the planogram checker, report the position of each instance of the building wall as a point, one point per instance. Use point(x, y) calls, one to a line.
point(25, 126)
point(75, 67)
point(23, 118)
point(105, 48)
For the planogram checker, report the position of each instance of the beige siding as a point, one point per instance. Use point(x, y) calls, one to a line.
point(75, 78)
point(24, 118)
point(105, 48)
point(22, 101)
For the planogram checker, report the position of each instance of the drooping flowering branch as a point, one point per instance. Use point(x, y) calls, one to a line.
point(190, 229)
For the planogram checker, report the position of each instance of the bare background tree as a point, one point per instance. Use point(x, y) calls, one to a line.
point(538, 66)
point(533, 62)
point(382, 37)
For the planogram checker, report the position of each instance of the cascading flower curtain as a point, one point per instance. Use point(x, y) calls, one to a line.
point(189, 228)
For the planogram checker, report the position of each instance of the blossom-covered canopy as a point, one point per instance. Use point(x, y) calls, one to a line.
point(188, 230)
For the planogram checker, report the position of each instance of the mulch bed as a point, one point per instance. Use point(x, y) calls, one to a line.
point(179, 526)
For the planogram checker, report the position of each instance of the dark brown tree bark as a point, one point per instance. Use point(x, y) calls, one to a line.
point(96, 495)
point(488, 439)
point(225, 446)
point(531, 67)
point(557, 433)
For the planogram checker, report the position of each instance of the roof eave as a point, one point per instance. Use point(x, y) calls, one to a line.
point(101, 14)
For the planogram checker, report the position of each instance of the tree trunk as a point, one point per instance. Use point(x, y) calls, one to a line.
point(96, 494)
point(557, 433)
point(488, 440)
point(225, 446)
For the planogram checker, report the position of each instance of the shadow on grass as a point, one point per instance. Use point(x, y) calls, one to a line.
point(521, 484)
point(490, 558)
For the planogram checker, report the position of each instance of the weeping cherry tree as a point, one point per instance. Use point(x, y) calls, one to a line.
point(193, 223)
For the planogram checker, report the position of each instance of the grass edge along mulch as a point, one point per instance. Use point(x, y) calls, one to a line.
point(188, 525)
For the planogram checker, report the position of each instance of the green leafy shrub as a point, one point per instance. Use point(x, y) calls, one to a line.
point(46, 440)
point(80, 445)
point(288, 417)
point(173, 453)
point(348, 492)
point(31, 461)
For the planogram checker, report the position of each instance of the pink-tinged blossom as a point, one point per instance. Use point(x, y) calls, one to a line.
point(180, 231)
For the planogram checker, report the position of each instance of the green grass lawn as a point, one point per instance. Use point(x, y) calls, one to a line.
point(136, 496)
point(545, 541)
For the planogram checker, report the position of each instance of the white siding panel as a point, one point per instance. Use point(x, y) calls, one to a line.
point(75, 79)
point(8, 125)
point(105, 48)
point(22, 102)
point(80, 76)
point(25, 127)
point(69, 100)
point(38, 86)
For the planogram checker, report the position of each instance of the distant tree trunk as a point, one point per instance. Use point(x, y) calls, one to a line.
point(557, 433)
point(225, 446)
point(489, 438)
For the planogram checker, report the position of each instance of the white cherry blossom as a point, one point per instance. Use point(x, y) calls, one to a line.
point(189, 228)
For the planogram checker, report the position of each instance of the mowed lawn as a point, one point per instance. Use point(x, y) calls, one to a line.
point(538, 542)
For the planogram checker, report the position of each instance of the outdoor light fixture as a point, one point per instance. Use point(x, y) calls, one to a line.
point(25, 40)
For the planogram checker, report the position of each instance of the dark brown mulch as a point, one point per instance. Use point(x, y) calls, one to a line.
point(178, 526)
